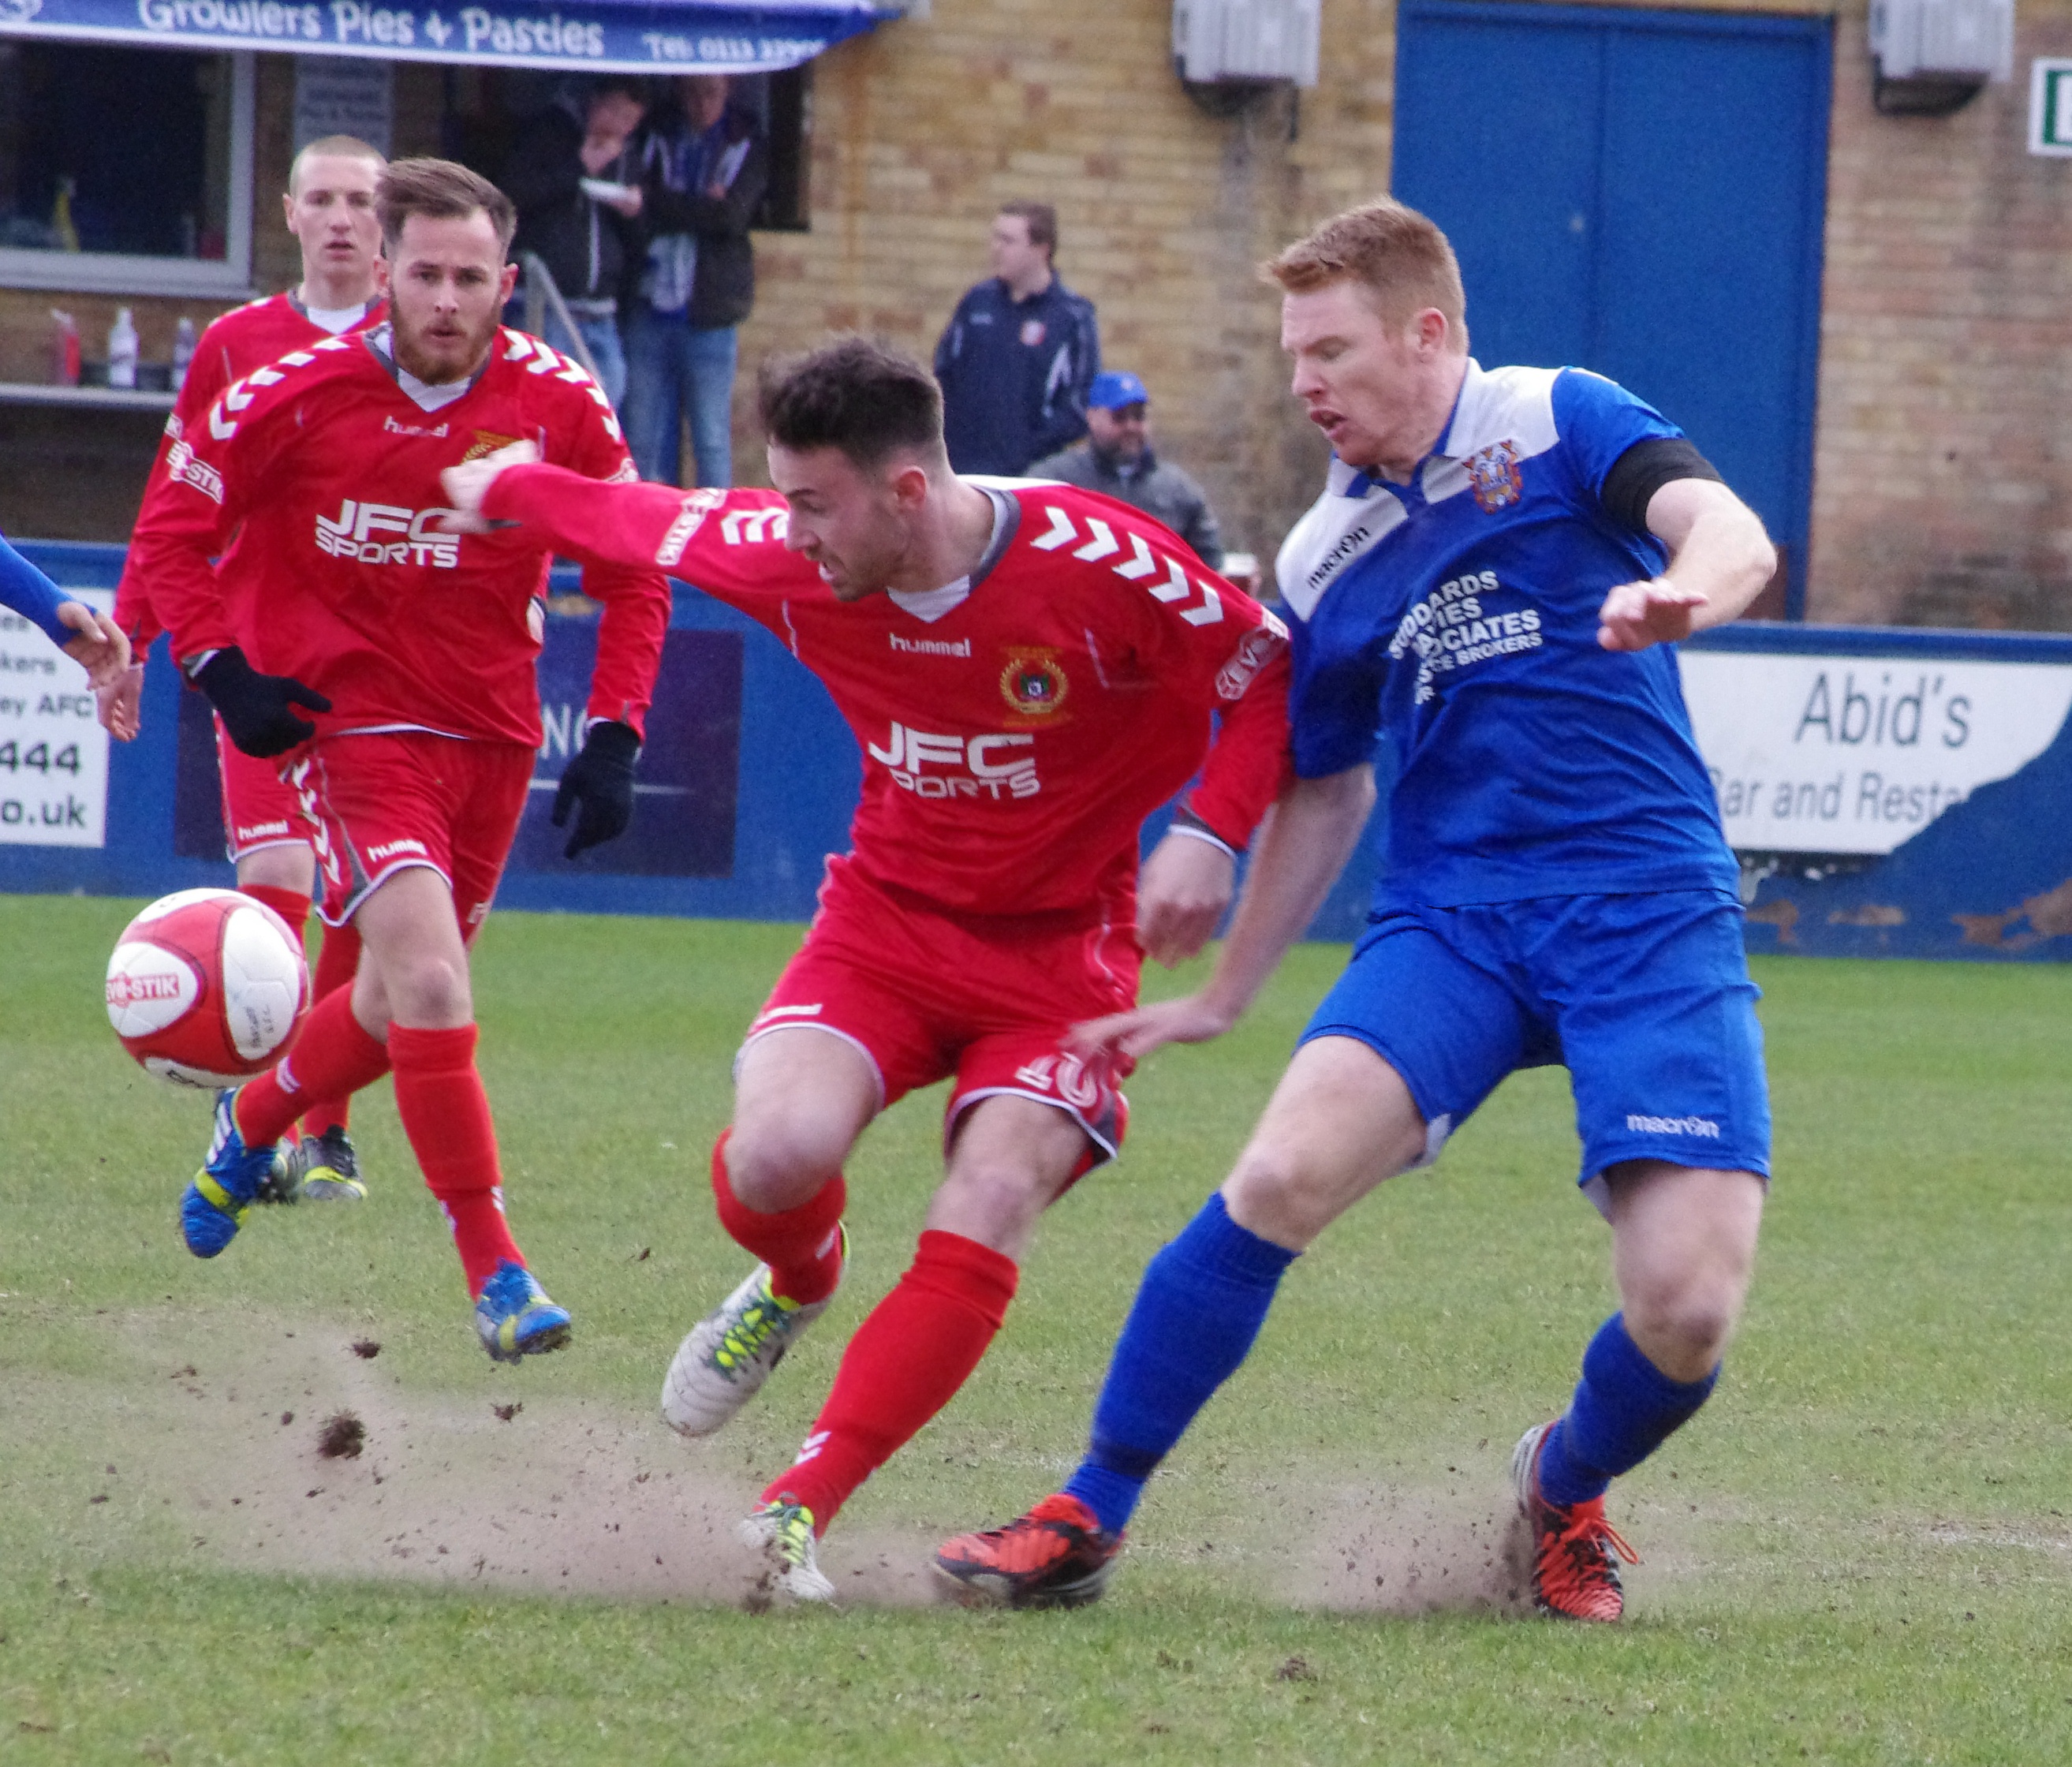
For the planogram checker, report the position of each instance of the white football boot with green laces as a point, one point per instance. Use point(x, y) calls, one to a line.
point(729, 1353)
point(782, 1531)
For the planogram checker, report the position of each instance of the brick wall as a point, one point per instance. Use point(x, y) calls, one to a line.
point(1942, 485)
point(922, 129)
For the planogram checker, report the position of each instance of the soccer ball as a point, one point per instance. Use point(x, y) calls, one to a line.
point(206, 987)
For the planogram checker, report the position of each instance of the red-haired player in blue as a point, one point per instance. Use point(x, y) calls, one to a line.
point(1494, 576)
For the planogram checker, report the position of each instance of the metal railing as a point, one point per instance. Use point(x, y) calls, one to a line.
point(543, 294)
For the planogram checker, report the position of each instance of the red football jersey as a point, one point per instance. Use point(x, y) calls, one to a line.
point(332, 466)
point(1017, 728)
point(246, 338)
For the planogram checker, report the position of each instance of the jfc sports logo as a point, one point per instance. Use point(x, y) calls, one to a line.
point(1032, 683)
point(1493, 475)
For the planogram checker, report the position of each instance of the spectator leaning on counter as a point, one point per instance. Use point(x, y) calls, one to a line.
point(705, 165)
point(1019, 353)
point(1117, 460)
point(573, 178)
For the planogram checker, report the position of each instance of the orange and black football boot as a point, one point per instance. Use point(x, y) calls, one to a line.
point(1575, 1551)
point(1058, 1556)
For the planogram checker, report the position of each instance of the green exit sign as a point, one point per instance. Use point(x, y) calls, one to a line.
point(2050, 108)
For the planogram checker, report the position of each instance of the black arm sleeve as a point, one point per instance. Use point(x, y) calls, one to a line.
point(1642, 471)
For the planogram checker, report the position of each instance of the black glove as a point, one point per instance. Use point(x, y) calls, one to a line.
point(255, 709)
point(601, 779)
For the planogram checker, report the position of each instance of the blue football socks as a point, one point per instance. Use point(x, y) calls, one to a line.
point(1202, 1302)
point(1624, 1409)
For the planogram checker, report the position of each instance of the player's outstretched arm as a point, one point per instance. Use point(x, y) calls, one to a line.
point(1719, 560)
point(91, 638)
point(1302, 847)
point(581, 518)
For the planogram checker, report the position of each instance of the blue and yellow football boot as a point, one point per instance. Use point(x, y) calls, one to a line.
point(231, 1179)
point(515, 1318)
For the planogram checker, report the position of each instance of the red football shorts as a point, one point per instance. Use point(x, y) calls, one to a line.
point(925, 994)
point(259, 807)
point(379, 804)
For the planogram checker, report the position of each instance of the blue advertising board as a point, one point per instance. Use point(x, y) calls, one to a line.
point(1889, 793)
point(745, 783)
point(598, 36)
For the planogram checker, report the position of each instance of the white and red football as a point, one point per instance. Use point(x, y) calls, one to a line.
point(206, 987)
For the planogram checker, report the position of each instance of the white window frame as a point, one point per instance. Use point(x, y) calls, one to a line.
point(126, 273)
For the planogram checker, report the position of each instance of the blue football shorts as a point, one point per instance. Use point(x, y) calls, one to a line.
point(1645, 999)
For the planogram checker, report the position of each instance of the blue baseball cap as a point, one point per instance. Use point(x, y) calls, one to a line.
point(1112, 391)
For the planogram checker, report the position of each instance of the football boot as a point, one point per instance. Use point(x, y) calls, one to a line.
point(729, 1354)
point(515, 1318)
point(1058, 1556)
point(326, 1168)
point(1575, 1551)
point(782, 1531)
point(231, 1179)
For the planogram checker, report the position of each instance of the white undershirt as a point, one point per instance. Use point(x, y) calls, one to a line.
point(337, 320)
point(930, 605)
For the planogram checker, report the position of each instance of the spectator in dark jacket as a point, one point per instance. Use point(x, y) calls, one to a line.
point(1117, 460)
point(703, 173)
point(1019, 353)
point(573, 179)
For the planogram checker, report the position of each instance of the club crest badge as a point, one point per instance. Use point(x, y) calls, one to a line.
point(486, 441)
point(1493, 477)
point(1034, 684)
point(1032, 332)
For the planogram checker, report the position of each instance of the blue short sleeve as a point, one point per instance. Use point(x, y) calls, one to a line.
point(1597, 421)
point(28, 592)
point(1333, 709)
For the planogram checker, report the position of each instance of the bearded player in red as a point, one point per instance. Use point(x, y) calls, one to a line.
point(414, 648)
point(1031, 670)
point(329, 205)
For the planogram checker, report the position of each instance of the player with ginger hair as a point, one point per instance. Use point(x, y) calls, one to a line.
point(1493, 575)
point(1029, 670)
point(414, 651)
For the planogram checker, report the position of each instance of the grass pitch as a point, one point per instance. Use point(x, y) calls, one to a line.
point(1860, 1553)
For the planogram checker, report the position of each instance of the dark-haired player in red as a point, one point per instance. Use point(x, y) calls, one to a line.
point(1030, 670)
point(329, 205)
point(414, 648)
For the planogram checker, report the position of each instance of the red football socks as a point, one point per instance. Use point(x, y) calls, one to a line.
point(334, 1054)
point(904, 1365)
point(292, 905)
point(802, 1246)
point(445, 1114)
point(338, 962)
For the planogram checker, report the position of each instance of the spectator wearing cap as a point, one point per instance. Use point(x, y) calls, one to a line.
point(1018, 354)
point(1117, 460)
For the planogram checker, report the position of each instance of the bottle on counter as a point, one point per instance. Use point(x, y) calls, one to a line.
point(64, 349)
point(183, 350)
point(122, 351)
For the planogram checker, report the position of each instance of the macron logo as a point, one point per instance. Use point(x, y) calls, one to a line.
point(1703, 1127)
point(388, 849)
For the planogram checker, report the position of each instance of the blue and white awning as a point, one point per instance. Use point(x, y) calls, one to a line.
point(637, 36)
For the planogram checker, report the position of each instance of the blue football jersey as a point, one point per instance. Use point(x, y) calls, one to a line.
point(1457, 614)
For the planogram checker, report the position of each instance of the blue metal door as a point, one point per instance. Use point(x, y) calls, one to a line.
point(1641, 193)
